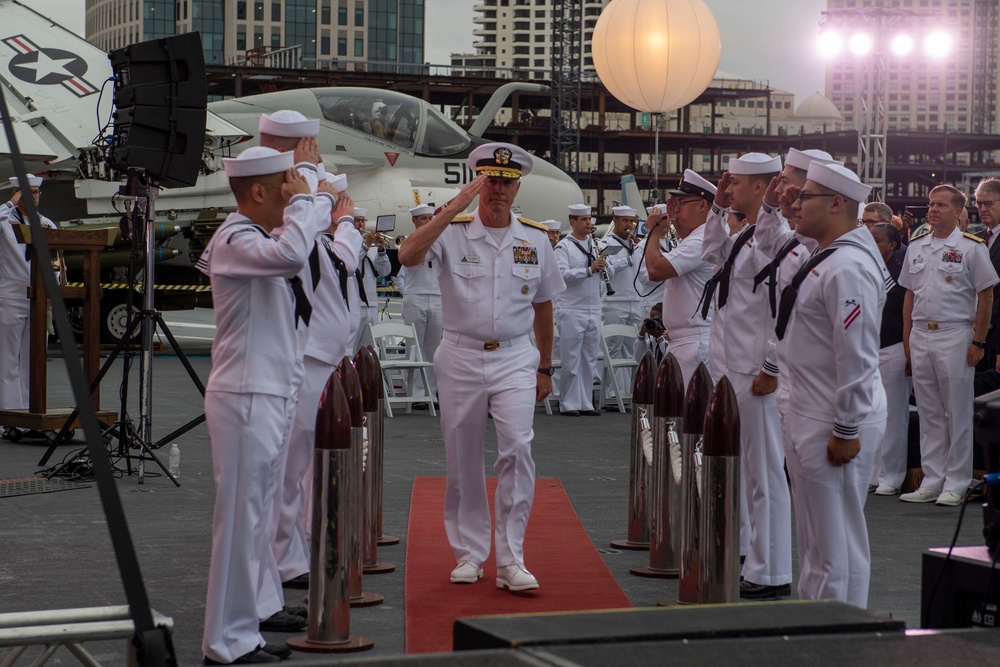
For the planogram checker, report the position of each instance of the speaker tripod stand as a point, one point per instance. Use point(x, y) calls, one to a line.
point(129, 435)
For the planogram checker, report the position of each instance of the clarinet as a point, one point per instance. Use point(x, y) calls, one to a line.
point(607, 279)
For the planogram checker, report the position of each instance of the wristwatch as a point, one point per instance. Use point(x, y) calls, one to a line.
point(546, 371)
point(980, 345)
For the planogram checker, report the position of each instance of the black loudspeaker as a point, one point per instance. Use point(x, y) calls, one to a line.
point(161, 97)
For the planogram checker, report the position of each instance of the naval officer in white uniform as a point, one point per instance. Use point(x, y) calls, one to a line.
point(498, 277)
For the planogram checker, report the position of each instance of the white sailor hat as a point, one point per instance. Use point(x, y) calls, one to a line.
point(802, 159)
point(840, 179)
point(553, 225)
point(423, 209)
point(288, 123)
point(693, 183)
point(33, 181)
point(500, 160)
point(360, 212)
point(258, 161)
point(755, 163)
point(624, 212)
point(578, 210)
point(662, 208)
point(338, 181)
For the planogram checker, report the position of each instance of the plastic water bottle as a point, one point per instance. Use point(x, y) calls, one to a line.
point(175, 460)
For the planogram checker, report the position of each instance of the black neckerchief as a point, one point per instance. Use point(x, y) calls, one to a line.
point(770, 274)
point(341, 272)
point(791, 293)
point(721, 277)
point(579, 247)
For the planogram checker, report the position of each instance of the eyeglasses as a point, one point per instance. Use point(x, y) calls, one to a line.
point(869, 223)
point(980, 203)
point(806, 196)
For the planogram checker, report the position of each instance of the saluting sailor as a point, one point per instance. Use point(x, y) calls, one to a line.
point(579, 312)
point(498, 277)
point(259, 300)
point(949, 283)
point(828, 324)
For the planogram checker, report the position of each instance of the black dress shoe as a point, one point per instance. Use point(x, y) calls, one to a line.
point(570, 413)
point(280, 650)
point(301, 581)
point(297, 611)
point(590, 413)
point(255, 657)
point(282, 621)
point(419, 406)
point(611, 408)
point(752, 591)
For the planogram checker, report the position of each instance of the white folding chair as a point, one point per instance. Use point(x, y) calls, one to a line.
point(400, 355)
point(611, 364)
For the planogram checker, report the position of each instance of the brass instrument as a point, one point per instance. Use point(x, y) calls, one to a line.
point(399, 240)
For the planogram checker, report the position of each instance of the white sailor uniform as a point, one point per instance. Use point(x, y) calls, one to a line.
point(579, 323)
point(246, 406)
point(746, 328)
point(830, 352)
point(422, 308)
point(486, 364)
point(687, 331)
point(624, 306)
point(372, 265)
point(15, 308)
point(945, 276)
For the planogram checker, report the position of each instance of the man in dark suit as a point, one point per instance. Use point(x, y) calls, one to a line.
point(988, 203)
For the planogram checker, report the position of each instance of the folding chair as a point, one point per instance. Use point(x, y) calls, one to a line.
point(611, 364)
point(556, 365)
point(401, 356)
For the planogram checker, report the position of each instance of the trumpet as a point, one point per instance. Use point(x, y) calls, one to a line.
point(378, 238)
point(399, 240)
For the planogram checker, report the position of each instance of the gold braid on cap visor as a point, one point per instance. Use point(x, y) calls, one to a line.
point(499, 172)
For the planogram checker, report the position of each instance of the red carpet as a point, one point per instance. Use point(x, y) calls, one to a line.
point(571, 574)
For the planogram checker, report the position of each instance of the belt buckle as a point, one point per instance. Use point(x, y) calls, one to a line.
point(932, 326)
point(491, 345)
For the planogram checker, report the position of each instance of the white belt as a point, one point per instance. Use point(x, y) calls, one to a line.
point(476, 344)
point(676, 334)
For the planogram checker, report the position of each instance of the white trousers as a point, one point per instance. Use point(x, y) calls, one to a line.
point(474, 383)
point(942, 384)
point(247, 433)
point(834, 557)
point(620, 347)
point(369, 315)
point(769, 506)
point(423, 311)
point(890, 460)
point(293, 504)
point(579, 342)
point(14, 357)
point(690, 349)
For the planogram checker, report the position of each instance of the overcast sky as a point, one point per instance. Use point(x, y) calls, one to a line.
point(766, 40)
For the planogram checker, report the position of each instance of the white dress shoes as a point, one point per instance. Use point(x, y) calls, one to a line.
point(466, 572)
point(516, 578)
point(921, 495)
point(949, 499)
point(886, 490)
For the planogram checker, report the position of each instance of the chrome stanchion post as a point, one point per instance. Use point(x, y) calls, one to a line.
point(665, 487)
point(378, 463)
point(719, 558)
point(638, 482)
point(699, 391)
point(370, 380)
point(329, 571)
point(352, 389)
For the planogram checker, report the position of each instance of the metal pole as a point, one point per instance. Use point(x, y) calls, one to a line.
point(699, 390)
point(370, 381)
point(379, 459)
point(638, 483)
point(719, 558)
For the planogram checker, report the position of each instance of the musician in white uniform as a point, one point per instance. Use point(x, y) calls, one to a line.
point(625, 305)
point(258, 301)
point(15, 307)
point(498, 277)
point(373, 263)
point(553, 226)
point(422, 302)
point(683, 269)
point(579, 308)
point(828, 326)
point(949, 283)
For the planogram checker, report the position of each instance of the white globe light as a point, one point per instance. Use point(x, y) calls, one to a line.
point(656, 55)
point(860, 44)
point(902, 45)
point(830, 44)
point(937, 44)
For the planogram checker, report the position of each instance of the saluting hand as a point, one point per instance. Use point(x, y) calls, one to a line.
point(465, 196)
point(307, 150)
point(345, 206)
point(295, 184)
point(15, 198)
point(771, 194)
point(723, 198)
point(789, 196)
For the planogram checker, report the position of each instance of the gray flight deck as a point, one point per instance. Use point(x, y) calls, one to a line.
point(55, 550)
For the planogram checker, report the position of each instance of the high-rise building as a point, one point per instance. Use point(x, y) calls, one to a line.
point(312, 33)
point(956, 93)
point(517, 35)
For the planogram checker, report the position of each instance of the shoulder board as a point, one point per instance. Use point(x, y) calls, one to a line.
point(919, 236)
point(973, 237)
point(532, 223)
point(465, 217)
